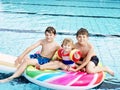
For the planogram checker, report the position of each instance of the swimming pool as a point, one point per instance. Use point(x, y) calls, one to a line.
point(22, 22)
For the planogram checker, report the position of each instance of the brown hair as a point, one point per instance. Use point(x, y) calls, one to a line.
point(50, 30)
point(68, 40)
point(82, 31)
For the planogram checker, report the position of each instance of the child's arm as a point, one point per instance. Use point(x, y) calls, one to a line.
point(79, 62)
point(86, 59)
point(20, 58)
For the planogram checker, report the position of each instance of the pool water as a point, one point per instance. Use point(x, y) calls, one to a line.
point(22, 23)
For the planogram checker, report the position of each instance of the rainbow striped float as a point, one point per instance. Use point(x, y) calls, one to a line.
point(54, 79)
point(59, 79)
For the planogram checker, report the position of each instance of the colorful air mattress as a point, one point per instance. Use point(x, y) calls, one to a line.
point(54, 79)
point(59, 79)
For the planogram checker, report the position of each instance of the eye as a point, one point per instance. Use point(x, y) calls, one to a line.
point(84, 36)
point(79, 36)
point(69, 45)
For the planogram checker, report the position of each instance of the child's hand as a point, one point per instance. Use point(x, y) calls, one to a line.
point(83, 70)
point(72, 69)
point(17, 61)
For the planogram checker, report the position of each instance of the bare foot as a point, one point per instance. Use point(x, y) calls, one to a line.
point(109, 71)
point(5, 80)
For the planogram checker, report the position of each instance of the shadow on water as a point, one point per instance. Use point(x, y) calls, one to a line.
point(109, 84)
point(19, 80)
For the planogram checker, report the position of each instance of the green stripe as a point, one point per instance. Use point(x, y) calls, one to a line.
point(33, 72)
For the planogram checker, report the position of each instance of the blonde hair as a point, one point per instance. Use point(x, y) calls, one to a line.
point(68, 40)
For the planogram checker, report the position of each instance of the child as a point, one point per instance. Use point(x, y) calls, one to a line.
point(49, 47)
point(63, 54)
point(89, 60)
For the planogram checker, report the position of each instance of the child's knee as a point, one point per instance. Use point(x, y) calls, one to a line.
point(90, 70)
point(26, 58)
point(26, 61)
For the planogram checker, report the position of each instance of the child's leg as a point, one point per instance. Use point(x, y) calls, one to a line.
point(20, 69)
point(53, 65)
point(17, 62)
point(49, 65)
point(23, 66)
point(108, 70)
point(91, 68)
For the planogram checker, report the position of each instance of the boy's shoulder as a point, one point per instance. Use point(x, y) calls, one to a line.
point(79, 45)
point(90, 45)
point(41, 41)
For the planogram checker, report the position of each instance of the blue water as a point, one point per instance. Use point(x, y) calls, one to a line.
point(22, 23)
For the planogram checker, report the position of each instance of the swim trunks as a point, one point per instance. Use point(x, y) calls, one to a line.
point(41, 59)
point(94, 59)
point(67, 62)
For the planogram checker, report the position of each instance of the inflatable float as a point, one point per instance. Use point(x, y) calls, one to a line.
point(54, 79)
point(7, 63)
point(63, 80)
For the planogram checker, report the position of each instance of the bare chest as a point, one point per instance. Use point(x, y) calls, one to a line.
point(48, 50)
point(84, 51)
point(49, 47)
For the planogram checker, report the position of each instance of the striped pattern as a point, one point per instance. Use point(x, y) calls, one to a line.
point(64, 78)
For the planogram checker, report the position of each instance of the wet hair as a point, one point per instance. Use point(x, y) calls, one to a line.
point(68, 40)
point(50, 30)
point(82, 31)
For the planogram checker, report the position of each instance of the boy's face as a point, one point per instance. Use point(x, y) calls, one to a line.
point(82, 39)
point(49, 36)
point(67, 47)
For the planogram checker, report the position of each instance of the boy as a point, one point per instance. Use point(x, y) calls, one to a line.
point(49, 47)
point(88, 60)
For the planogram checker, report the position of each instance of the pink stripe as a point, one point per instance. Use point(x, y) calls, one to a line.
point(66, 79)
point(84, 80)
